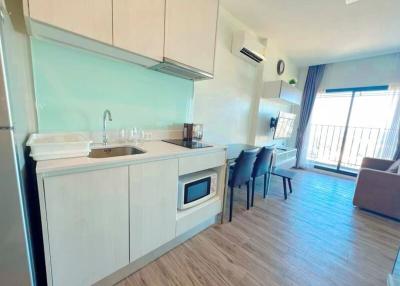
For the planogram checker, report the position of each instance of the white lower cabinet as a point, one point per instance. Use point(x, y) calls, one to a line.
point(153, 205)
point(87, 225)
point(96, 222)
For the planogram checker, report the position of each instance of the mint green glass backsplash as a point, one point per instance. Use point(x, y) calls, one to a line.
point(73, 87)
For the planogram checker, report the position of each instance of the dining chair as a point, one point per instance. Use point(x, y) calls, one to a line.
point(240, 174)
point(262, 167)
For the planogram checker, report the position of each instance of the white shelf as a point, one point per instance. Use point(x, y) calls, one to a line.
point(190, 218)
point(285, 158)
point(282, 91)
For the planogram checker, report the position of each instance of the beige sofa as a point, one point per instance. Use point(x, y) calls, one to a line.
point(378, 190)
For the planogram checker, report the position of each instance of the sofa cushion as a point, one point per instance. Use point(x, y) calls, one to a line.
point(394, 168)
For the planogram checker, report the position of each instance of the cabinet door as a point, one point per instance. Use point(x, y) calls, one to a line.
point(89, 18)
point(153, 205)
point(138, 26)
point(88, 225)
point(190, 31)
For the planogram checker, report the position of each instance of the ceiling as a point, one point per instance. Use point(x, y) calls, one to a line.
point(323, 31)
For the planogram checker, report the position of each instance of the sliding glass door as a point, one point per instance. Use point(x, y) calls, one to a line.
point(350, 124)
point(328, 127)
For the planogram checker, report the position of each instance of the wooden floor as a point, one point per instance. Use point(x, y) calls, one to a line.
point(316, 237)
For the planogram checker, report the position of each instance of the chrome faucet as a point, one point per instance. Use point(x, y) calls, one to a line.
point(105, 114)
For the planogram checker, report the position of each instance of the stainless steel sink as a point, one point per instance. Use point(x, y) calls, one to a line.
point(114, 152)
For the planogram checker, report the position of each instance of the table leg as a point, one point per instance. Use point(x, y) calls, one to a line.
point(269, 175)
point(265, 186)
point(284, 188)
point(225, 194)
point(231, 205)
point(248, 195)
point(290, 185)
point(252, 191)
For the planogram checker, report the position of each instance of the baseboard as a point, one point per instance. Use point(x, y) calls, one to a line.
point(143, 261)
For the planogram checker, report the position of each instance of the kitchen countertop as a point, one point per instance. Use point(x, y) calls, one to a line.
point(154, 150)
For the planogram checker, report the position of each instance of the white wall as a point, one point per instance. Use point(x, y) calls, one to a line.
point(223, 104)
point(359, 73)
point(228, 104)
point(273, 55)
point(381, 70)
point(265, 109)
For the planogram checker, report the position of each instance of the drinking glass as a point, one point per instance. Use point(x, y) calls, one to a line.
point(133, 135)
point(122, 135)
point(142, 136)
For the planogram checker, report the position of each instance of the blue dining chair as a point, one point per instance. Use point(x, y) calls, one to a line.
point(262, 167)
point(240, 174)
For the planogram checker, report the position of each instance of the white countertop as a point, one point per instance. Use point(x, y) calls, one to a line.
point(154, 150)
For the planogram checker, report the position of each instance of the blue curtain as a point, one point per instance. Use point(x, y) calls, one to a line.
point(313, 81)
point(397, 154)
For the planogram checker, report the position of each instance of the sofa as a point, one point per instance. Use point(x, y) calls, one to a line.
point(377, 189)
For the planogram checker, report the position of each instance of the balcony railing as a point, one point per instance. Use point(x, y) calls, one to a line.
point(326, 141)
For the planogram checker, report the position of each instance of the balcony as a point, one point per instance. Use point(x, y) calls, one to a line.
point(331, 147)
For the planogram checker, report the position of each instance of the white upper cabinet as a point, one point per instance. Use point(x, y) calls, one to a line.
point(87, 224)
point(139, 27)
point(153, 205)
point(89, 18)
point(190, 32)
point(179, 33)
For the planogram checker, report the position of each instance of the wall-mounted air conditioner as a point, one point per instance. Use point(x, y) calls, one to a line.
point(248, 47)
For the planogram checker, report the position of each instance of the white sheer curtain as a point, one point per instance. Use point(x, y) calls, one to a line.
point(304, 162)
point(391, 139)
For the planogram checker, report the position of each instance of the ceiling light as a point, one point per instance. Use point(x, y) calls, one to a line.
point(348, 2)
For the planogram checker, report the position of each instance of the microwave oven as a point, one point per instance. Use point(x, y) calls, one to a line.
point(193, 189)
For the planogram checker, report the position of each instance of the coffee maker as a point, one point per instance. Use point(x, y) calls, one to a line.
point(192, 132)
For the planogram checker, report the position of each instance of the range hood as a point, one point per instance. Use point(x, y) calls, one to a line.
point(181, 70)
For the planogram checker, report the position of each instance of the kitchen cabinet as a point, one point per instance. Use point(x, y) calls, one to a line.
point(190, 33)
point(87, 225)
point(153, 205)
point(171, 36)
point(90, 18)
point(103, 219)
point(201, 162)
point(138, 26)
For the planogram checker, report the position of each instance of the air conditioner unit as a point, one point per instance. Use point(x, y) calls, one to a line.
point(248, 47)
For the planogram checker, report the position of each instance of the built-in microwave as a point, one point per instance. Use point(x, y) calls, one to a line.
point(196, 188)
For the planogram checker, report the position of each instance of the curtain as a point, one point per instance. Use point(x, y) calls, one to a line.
point(397, 153)
point(390, 140)
point(396, 120)
point(314, 78)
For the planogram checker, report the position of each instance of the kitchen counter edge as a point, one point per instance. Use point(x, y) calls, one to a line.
point(155, 150)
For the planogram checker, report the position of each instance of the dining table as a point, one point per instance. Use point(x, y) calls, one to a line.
point(233, 151)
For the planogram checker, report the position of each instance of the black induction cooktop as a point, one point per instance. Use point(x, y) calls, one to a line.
point(188, 144)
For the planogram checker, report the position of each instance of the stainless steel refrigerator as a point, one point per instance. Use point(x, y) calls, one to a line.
point(15, 260)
